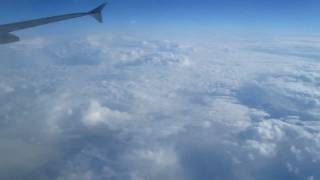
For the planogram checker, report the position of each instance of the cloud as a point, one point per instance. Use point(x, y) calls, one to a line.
point(115, 107)
point(97, 115)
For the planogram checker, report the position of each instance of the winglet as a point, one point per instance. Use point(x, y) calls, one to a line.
point(97, 12)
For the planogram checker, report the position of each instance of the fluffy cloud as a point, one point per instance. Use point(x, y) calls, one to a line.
point(110, 107)
point(97, 115)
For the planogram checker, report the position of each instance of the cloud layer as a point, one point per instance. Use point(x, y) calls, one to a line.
point(111, 107)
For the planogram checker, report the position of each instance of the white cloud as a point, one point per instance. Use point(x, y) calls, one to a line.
point(97, 115)
point(113, 107)
point(6, 89)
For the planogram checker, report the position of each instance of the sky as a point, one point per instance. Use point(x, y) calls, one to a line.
point(275, 16)
point(174, 90)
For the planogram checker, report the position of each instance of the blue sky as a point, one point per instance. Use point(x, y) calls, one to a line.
point(180, 15)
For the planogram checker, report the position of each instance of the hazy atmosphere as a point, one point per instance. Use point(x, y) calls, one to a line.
point(162, 90)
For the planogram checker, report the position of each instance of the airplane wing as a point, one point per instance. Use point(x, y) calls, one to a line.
point(6, 29)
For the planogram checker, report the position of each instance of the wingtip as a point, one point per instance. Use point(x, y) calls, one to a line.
point(99, 8)
point(97, 12)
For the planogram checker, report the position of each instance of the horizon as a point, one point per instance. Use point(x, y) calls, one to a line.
point(272, 17)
